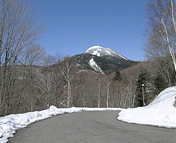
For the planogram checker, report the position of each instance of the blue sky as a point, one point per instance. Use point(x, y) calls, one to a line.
point(73, 26)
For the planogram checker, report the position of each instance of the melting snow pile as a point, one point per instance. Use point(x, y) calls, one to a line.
point(161, 112)
point(9, 124)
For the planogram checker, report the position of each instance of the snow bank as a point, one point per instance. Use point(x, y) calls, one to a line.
point(161, 112)
point(9, 124)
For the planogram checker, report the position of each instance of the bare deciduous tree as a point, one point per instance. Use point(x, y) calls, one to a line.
point(161, 29)
point(18, 30)
point(69, 71)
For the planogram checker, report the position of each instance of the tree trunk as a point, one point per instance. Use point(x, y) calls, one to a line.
point(143, 98)
point(99, 95)
point(107, 102)
point(69, 95)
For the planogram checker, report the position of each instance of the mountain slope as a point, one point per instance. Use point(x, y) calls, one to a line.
point(106, 60)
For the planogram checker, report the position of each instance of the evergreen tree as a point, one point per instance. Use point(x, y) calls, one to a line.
point(160, 84)
point(117, 76)
point(142, 80)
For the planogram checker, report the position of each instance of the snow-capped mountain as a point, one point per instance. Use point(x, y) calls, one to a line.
point(104, 60)
point(100, 52)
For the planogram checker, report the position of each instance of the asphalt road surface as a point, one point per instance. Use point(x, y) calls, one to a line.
point(92, 127)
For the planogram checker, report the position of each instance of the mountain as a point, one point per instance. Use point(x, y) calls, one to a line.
point(104, 60)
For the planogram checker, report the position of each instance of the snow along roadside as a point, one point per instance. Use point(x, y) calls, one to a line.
point(9, 124)
point(161, 112)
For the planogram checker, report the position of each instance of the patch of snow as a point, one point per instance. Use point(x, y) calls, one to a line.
point(123, 57)
point(94, 66)
point(161, 112)
point(9, 124)
point(111, 50)
point(108, 52)
point(97, 52)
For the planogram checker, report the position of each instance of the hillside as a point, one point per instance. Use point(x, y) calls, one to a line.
point(38, 87)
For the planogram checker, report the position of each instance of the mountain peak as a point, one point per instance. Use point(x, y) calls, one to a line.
point(100, 52)
point(104, 60)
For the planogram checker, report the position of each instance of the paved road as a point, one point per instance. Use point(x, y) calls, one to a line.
point(92, 127)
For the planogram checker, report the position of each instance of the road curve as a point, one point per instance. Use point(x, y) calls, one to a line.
point(92, 127)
